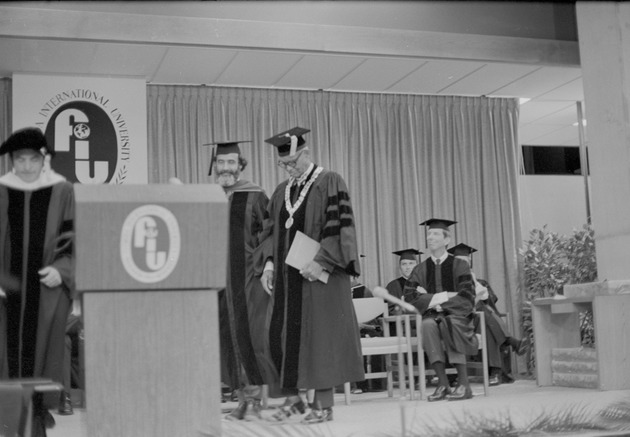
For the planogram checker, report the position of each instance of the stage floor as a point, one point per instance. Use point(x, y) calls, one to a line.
point(516, 405)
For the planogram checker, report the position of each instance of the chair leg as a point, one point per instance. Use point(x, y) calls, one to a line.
point(264, 402)
point(390, 378)
point(484, 354)
point(412, 388)
point(346, 392)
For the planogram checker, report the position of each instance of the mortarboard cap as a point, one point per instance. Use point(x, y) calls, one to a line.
point(223, 148)
point(407, 254)
point(283, 143)
point(27, 138)
point(462, 250)
point(436, 223)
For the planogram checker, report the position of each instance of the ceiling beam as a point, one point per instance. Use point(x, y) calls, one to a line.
point(112, 27)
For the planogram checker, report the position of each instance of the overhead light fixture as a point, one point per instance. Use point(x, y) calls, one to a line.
point(523, 100)
point(583, 122)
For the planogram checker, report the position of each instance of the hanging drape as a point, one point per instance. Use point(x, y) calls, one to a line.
point(405, 158)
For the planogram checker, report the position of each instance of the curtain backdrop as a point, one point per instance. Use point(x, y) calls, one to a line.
point(405, 158)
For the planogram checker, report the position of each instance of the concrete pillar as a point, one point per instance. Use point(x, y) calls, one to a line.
point(604, 39)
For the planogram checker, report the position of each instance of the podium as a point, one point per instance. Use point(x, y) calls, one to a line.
point(149, 262)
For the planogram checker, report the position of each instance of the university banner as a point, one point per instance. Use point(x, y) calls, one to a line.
point(96, 125)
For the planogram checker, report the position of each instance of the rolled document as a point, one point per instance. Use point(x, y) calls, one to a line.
point(384, 294)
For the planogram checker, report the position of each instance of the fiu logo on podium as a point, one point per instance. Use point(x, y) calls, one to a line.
point(150, 243)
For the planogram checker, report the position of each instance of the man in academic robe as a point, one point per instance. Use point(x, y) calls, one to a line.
point(498, 337)
point(407, 260)
point(442, 290)
point(36, 233)
point(243, 305)
point(314, 332)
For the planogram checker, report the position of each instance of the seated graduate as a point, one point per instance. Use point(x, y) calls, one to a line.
point(442, 290)
point(406, 263)
point(498, 337)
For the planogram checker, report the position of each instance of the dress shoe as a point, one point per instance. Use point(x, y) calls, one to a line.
point(288, 409)
point(237, 413)
point(48, 420)
point(318, 416)
point(460, 393)
point(440, 393)
point(65, 404)
point(494, 380)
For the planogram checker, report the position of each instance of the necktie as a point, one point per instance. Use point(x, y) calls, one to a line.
point(438, 277)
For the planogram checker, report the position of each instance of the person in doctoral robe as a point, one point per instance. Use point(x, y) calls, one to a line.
point(243, 304)
point(36, 235)
point(407, 260)
point(441, 288)
point(314, 332)
point(498, 337)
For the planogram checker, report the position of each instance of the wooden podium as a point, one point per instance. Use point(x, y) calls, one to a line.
point(149, 262)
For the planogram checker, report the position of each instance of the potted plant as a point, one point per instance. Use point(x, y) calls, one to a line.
point(551, 261)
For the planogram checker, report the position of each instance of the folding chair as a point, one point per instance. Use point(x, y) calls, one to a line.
point(368, 309)
point(424, 372)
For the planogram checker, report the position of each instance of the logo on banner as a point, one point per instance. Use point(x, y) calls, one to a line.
point(89, 137)
point(150, 243)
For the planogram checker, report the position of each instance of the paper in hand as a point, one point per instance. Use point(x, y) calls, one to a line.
point(302, 251)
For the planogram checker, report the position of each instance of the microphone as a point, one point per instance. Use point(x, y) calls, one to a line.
point(384, 294)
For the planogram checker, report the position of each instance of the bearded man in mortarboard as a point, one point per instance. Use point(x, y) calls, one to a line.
point(243, 304)
point(36, 233)
point(314, 332)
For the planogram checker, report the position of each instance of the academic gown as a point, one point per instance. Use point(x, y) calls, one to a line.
point(36, 230)
point(314, 333)
point(395, 288)
point(495, 326)
point(244, 310)
point(456, 319)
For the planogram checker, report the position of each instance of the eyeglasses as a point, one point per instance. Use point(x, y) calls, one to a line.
point(291, 163)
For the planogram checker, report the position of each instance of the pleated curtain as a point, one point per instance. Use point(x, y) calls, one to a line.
point(405, 158)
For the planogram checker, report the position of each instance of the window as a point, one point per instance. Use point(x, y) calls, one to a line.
point(552, 160)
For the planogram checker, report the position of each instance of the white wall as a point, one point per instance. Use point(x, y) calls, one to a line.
point(557, 201)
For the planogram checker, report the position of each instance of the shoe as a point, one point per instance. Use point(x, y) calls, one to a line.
point(440, 393)
point(318, 416)
point(48, 420)
point(287, 410)
point(252, 412)
point(523, 346)
point(356, 391)
point(494, 380)
point(460, 394)
point(65, 404)
point(237, 413)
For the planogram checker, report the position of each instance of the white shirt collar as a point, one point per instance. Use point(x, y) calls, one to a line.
point(442, 258)
point(45, 179)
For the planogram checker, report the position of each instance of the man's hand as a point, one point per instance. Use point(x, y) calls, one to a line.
point(50, 277)
point(267, 281)
point(421, 290)
point(312, 271)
